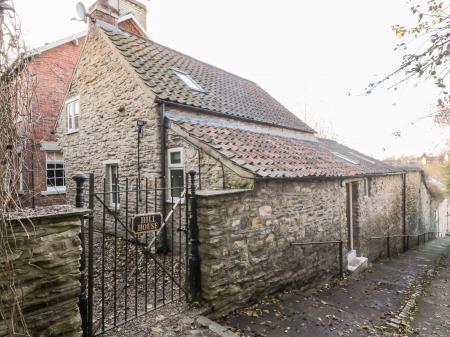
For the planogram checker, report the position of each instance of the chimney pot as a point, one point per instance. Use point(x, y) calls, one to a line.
point(102, 10)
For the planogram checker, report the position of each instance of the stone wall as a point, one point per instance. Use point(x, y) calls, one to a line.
point(112, 100)
point(46, 262)
point(418, 204)
point(246, 237)
point(443, 218)
point(381, 214)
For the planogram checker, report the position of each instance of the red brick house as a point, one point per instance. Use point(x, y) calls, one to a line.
point(52, 65)
point(43, 174)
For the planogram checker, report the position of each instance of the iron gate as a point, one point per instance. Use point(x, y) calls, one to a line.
point(125, 274)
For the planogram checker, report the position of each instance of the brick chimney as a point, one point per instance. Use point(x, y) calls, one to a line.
point(115, 12)
point(105, 10)
point(136, 8)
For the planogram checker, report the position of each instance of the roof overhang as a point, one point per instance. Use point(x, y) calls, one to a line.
point(210, 151)
point(58, 43)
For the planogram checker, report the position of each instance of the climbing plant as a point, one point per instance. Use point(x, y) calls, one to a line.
point(17, 88)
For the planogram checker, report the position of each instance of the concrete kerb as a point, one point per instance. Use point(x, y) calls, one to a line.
point(215, 327)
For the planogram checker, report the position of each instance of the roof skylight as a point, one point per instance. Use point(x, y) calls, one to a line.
point(350, 160)
point(188, 80)
point(363, 158)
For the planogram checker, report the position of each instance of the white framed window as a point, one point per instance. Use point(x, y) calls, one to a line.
point(56, 180)
point(188, 80)
point(112, 181)
point(175, 166)
point(366, 183)
point(73, 114)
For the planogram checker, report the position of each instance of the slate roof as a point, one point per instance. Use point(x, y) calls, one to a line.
point(226, 94)
point(276, 156)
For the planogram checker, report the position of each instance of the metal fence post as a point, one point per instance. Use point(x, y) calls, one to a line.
point(341, 259)
point(90, 268)
point(194, 258)
point(80, 179)
point(388, 246)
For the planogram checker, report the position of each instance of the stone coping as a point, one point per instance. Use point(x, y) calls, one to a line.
point(213, 193)
point(60, 211)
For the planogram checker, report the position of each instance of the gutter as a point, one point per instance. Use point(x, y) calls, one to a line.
point(322, 178)
point(162, 137)
point(217, 114)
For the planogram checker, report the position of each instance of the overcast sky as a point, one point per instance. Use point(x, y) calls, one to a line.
point(309, 55)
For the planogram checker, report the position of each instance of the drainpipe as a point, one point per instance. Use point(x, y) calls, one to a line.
point(140, 129)
point(162, 135)
point(33, 192)
point(404, 211)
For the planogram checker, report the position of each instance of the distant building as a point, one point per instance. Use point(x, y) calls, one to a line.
point(438, 159)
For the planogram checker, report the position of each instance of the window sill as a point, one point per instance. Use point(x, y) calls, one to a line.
point(113, 208)
point(72, 131)
point(175, 200)
point(54, 192)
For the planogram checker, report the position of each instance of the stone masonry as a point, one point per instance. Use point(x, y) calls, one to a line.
point(108, 132)
point(47, 277)
point(245, 237)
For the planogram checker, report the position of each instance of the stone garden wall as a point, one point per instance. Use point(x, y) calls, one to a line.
point(46, 261)
point(245, 239)
point(246, 236)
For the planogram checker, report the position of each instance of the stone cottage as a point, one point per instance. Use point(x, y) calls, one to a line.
point(265, 180)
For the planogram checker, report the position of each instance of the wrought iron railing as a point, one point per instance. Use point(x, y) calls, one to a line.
point(423, 237)
point(340, 245)
point(130, 271)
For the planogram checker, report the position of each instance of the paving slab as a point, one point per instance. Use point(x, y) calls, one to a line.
point(357, 306)
point(433, 310)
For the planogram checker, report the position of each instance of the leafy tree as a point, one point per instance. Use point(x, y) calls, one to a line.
point(426, 49)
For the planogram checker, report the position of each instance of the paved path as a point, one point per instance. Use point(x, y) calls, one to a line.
point(355, 307)
point(433, 312)
point(176, 319)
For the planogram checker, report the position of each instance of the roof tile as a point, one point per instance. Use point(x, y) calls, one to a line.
point(226, 94)
point(281, 157)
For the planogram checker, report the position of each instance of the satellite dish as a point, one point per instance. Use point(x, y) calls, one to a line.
point(81, 11)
